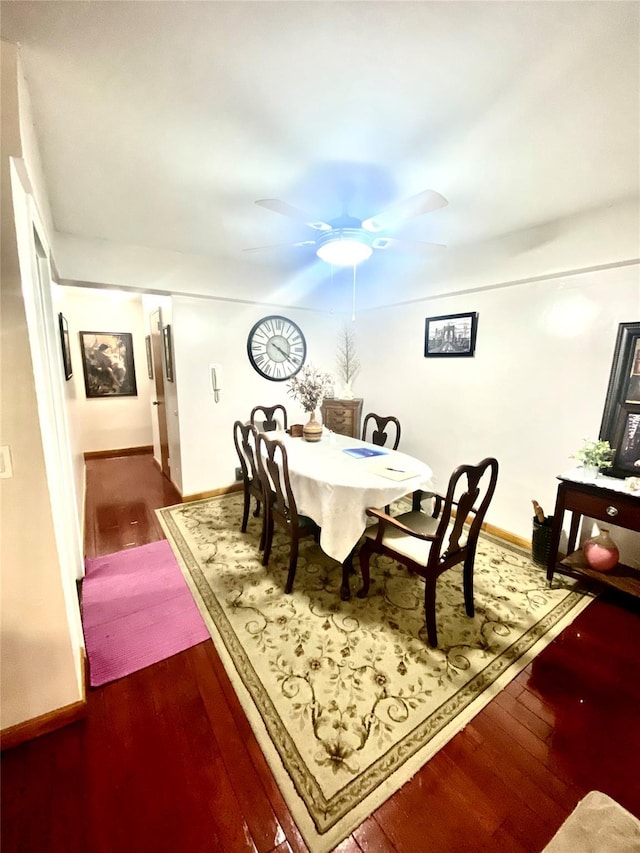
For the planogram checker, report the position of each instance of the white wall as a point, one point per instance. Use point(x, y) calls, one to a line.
point(588, 238)
point(40, 648)
point(107, 423)
point(240, 278)
point(207, 331)
point(534, 390)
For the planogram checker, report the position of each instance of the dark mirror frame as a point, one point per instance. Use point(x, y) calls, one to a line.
point(66, 346)
point(621, 418)
point(168, 352)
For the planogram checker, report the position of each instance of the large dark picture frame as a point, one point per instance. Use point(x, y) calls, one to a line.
point(621, 418)
point(451, 335)
point(107, 362)
point(167, 345)
point(147, 343)
point(66, 347)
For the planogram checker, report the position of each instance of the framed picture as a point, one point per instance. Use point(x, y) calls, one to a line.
point(147, 342)
point(168, 352)
point(66, 348)
point(621, 418)
point(107, 362)
point(450, 335)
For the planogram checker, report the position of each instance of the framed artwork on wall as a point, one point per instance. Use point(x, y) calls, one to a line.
point(107, 362)
point(66, 348)
point(451, 335)
point(147, 342)
point(621, 418)
point(168, 352)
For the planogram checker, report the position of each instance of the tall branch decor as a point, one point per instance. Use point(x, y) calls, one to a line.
point(347, 360)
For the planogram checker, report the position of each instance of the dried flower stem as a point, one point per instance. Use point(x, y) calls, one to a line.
point(347, 361)
point(309, 386)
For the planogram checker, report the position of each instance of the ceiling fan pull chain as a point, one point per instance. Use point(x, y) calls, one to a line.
point(353, 302)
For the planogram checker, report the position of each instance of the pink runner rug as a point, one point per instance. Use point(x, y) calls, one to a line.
point(136, 610)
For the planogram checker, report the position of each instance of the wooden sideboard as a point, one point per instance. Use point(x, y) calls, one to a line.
point(605, 502)
point(342, 416)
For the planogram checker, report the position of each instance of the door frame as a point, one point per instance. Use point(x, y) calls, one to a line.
point(155, 320)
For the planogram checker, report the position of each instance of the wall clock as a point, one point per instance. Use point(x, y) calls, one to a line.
point(276, 348)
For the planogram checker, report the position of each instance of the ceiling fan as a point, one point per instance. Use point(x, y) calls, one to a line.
point(347, 241)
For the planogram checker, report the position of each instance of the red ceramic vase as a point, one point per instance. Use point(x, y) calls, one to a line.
point(601, 552)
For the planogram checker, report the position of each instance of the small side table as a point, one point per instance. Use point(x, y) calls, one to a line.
point(604, 500)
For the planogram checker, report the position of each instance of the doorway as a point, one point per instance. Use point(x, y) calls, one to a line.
point(159, 402)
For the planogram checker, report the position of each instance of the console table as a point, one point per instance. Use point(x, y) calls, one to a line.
point(605, 500)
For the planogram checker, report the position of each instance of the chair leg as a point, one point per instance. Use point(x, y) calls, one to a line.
point(468, 584)
point(293, 563)
point(430, 609)
point(256, 512)
point(245, 510)
point(364, 570)
point(268, 540)
point(263, 532)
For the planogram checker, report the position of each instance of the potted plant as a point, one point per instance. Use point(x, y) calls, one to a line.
point(593, 456)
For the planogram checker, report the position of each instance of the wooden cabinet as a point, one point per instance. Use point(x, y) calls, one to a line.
point(342, 416)
point(603, 502)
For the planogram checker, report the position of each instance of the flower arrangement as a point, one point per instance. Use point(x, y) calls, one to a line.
point(595, 454)
point(309, 387)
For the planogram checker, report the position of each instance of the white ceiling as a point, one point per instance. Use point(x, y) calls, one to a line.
point(160, 123)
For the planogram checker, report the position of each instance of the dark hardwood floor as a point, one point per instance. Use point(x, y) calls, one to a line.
point(166, 760)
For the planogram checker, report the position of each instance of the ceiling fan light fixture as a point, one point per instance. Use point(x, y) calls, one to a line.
point(344, 247)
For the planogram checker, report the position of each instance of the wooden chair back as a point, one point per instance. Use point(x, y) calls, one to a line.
point(281, 508)
point(245, 438)
point(378, 429)
point(450, 535)
point(269, 418)
point(469, 493)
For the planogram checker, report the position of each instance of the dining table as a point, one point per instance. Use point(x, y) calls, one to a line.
point(335, 480)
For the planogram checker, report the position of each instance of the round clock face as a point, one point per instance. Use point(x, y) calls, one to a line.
point(276, 348)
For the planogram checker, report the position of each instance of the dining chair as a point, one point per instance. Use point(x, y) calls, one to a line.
point(275, 417)
point(430, 544)
point(280, 506)
point(381, 430)
point(245, 438)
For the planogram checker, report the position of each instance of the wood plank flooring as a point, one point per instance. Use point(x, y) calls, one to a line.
point(166, 760)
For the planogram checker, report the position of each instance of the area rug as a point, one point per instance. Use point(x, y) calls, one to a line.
point(136, 610)
point(597, 824)
point(346, 699)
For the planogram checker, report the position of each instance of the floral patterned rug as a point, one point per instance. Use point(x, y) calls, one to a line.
point(346, 699)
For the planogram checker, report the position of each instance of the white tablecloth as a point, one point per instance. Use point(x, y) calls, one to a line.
point(334, 489)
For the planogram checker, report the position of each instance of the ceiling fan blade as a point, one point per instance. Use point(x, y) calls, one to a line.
point(416, 247)
point(280, 246)
point(293, 212)
point(416, 205)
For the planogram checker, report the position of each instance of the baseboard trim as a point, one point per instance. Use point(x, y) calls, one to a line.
point(214, 493)
point(51, 721)
point(122, 451)
point(506, 535)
